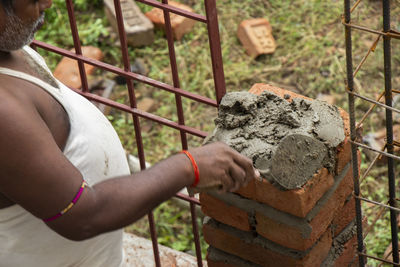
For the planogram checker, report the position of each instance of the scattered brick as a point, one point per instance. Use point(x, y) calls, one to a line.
point(224, 212)
point(179, 24)
point(261, 251)
point(139, 29)
point(146, 104)
point(67, 71)
point(256, 37)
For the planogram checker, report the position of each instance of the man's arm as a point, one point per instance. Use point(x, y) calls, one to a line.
point(35, 174)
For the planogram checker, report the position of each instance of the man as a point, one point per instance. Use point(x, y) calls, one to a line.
point(58, 203)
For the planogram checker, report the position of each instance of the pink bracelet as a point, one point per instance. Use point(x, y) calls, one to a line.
point(70, 205)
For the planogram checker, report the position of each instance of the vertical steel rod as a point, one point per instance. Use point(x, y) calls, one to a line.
point(354, 159)
point(181, 120)
point(77, 44)
point(136, 123)
point(175, 74)
point(196, 236)
point(389, 129)
point(215, 48)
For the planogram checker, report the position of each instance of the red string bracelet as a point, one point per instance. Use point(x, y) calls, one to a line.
point(195, 168)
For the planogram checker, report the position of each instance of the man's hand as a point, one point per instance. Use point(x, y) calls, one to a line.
point(221, 166)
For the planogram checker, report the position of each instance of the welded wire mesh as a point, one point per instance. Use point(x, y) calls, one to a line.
point(211, 21)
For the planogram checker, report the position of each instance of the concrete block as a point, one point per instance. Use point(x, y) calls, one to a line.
point(256, 37)
point(223, 212)
point(180, 25)
point(67, 71)
point(139, 29)
point(260, 251)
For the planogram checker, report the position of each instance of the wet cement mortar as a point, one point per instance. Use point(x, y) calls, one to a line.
point(287, 141)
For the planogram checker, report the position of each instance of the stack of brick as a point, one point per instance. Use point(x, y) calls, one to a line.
point(261, 225)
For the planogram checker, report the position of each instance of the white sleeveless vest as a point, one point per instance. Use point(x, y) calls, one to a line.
point(95, 149)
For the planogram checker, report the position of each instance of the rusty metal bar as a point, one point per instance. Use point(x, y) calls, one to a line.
point(377, 203)
point(370, 226)
point(373, 101)
point(219, 80)
point(179, 108)
point(353, 134)
point(371, 49)
point(136, 122)
point(215, 47)
point(369, 111)
point(77, 44)
point(143, 114)
point(371, 165)
point(354, 6)
point(126, 74)
point(175, 10)
point(188, 198)
point(375, 150)
point(389, 128)
point(391, 33)
point(378, 259)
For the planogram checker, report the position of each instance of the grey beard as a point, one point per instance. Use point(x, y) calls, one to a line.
point(16, 34)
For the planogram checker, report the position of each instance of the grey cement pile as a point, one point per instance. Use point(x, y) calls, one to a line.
point(288, 142)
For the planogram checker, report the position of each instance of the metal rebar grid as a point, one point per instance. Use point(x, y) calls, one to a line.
point(387, 150)
point(211, 20)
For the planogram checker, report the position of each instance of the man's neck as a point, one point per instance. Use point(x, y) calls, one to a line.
point(6, 57)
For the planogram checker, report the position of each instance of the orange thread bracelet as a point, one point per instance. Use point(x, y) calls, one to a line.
point(195, 168)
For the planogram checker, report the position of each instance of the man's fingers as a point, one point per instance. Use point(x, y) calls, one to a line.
point(237, 173)
point(247, 165)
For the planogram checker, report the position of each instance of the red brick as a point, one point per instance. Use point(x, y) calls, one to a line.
point(258, 88)
point(256, 37)
point(301, 200)
point(179, 24)
point(246, 247)
point(67, 71)
point(297, 202)
point(218, 258)
point(224, 212)
point(343, 154)
point(248, 191)
point(291, 236)
point(348, 257)
point(344, 216)
point(214, 263)
point(346, 121)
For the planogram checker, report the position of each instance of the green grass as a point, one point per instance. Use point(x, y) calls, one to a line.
point(310, 59)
